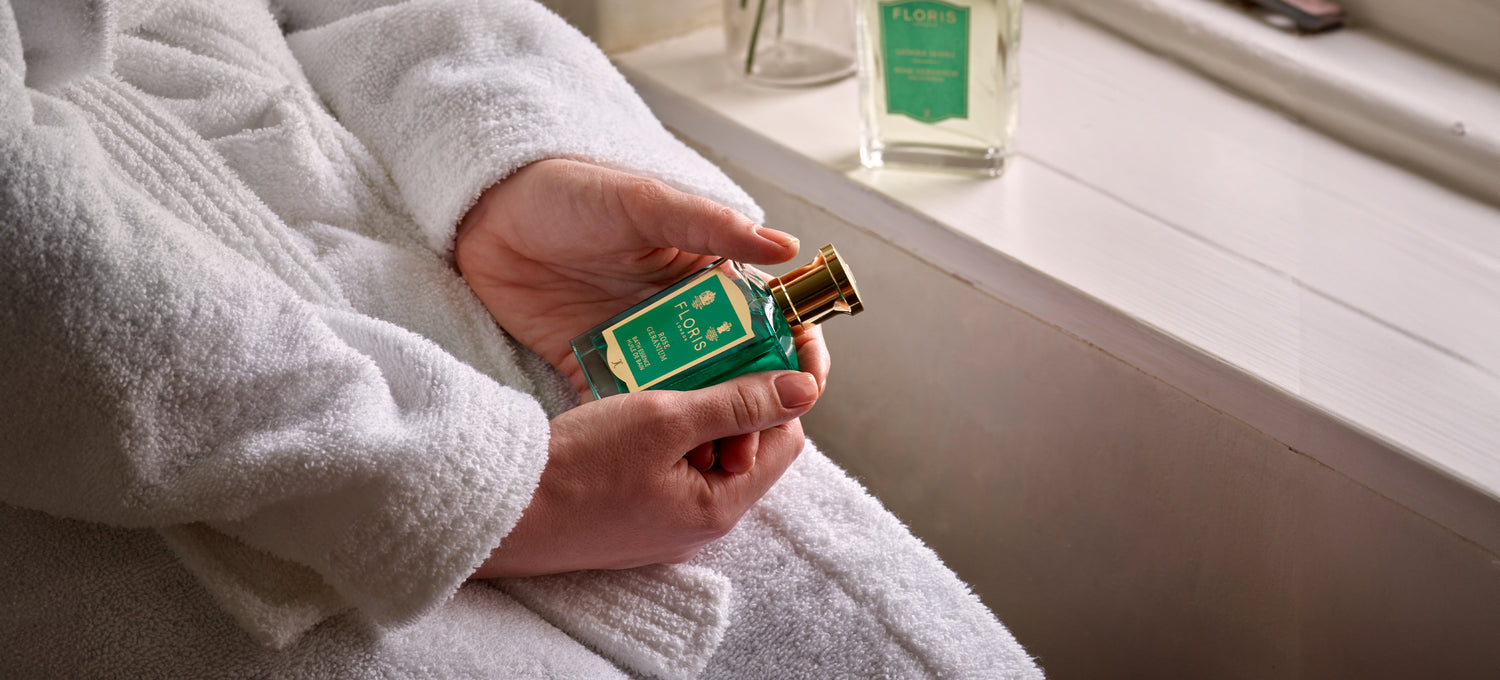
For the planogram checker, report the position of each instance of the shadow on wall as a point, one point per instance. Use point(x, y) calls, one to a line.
point(1119, 527)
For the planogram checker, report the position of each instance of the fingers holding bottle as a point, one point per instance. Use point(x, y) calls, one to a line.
point(664, 217)
point(812, 355)
point(618, 491)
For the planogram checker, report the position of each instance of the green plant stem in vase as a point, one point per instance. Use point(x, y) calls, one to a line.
point(760, 16)
point(811, 41)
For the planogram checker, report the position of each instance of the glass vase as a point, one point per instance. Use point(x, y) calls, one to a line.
point(790, 42)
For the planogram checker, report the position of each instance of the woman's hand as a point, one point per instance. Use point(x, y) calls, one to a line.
point(617, 492)
point(561, 245)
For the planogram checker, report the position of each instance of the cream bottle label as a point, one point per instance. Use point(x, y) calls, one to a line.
point(925, 47)
point(678, 332)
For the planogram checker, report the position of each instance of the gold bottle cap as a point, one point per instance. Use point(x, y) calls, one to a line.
point(809, 294)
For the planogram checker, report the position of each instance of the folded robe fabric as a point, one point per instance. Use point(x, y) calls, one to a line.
point(238, 369)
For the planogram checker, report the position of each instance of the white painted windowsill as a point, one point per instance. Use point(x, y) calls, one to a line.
point(1343, 305)
point(1360, 87)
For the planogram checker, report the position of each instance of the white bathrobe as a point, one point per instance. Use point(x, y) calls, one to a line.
point(252, 423)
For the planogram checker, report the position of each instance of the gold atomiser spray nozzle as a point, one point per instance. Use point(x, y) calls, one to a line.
point(809, 294)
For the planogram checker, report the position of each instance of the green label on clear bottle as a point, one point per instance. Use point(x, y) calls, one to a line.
point(925, 47)
point(695, 324)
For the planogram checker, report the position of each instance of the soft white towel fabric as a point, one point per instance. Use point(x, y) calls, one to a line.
point(253, 424)
point(827, 584)
point(77, 40)
point(658, 620)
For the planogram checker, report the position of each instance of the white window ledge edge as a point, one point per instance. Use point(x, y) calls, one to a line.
point(1353, 85)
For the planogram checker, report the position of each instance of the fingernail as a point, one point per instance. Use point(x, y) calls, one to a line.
point(796, 390)
point(780, 238)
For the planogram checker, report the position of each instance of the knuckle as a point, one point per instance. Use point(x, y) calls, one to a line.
point(714, 520)
point(780, 446)
point(794, 429)
point(658, 415)
point(748, 410)
point(722, 528)
point(655, 407)
point(644, 199)
point(729, 215)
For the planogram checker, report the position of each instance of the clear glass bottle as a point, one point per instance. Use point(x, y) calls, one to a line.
point(790, 42)
point(938, 83)
point(720, 322)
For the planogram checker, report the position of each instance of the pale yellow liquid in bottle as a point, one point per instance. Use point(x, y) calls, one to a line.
point(977, 142)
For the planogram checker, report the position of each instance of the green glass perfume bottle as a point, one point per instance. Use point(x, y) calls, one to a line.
point(722, 321)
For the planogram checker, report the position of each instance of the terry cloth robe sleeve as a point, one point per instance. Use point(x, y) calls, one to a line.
point(153, 377)
point(454, 95)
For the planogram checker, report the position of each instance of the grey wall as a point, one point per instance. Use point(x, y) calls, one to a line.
point(1119, 527)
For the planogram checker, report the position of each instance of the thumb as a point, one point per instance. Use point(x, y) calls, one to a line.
point(667, 218)
point(749, 403)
